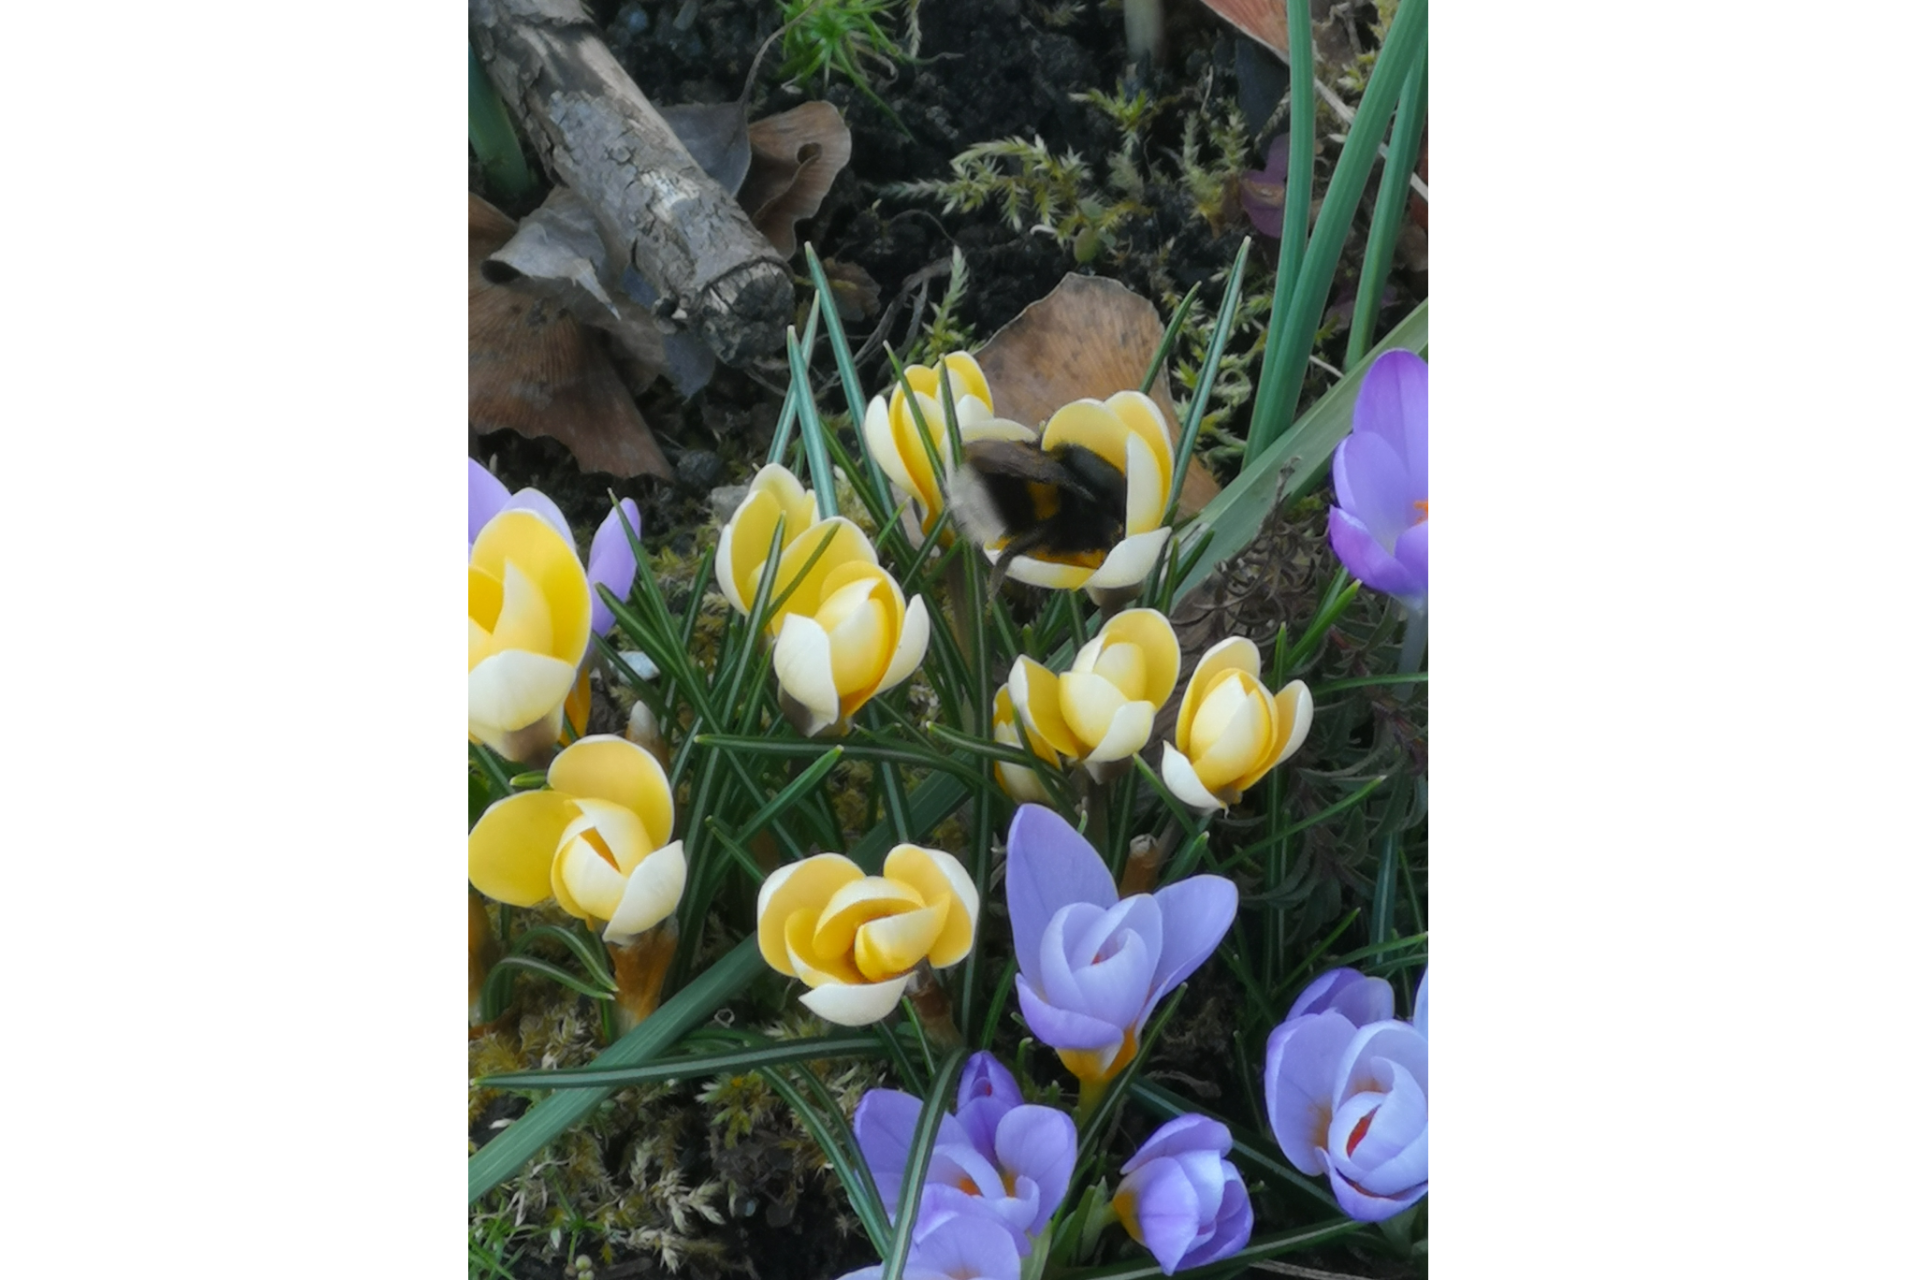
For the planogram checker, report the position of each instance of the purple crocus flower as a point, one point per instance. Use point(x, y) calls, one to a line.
point(1093, 966)
point(610, 561)
point(1351, 1102)
point(1348, 992)
point(956, 1242)
point(1379, 529)
point(1007, 1157)
point(1182, 1199)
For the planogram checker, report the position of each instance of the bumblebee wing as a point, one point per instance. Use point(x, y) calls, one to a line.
point(990, 493)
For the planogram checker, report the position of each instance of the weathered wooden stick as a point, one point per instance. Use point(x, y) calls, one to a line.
point(597, 133)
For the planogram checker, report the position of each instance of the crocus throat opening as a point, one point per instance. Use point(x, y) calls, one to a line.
point(1085, 1063)
point(1359, 1132)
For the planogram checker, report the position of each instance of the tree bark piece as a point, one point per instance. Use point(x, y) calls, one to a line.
point(658, 210)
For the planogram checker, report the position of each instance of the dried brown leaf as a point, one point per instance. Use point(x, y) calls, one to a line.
point(534, 369)
point(1264, 21)
point(796, 156)
point(1089, 338)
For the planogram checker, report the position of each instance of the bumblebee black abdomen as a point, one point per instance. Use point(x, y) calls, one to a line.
point(1062, 502)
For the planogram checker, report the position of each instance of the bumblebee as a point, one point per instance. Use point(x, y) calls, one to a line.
point(1066, 503)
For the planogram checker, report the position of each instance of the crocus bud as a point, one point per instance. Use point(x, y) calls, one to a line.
point(1181, 1198)
point(1232, 732)
point(747, 540)
point(1379, 530)
point(862, 638)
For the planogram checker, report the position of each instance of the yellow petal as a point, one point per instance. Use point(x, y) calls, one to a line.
point(1177, 771)
point(524, 622)
point(1125, 667)
point(877, 428)
point(843, 541)
point(968, 379)
point(1045, 573)
point(1129, 563)
point(1035, 692)
point(510, 850)
point(585, 881)
point(1218, 707)
point(1089, 702)
point(937, 875)
point(807, 884)
point(483, 603)
point(810, 965)
point(1004, 729)
point(613, 829)
point(852, 905)
point(606, 766)
point(888, 946)
point(1238, 744)
point(1142, 417)
point(1233, 653)
point(1149, 629)
point(1091, 424)
point(1292, 710)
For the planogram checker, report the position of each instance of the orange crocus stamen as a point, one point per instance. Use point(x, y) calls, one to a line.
point(1421, 507)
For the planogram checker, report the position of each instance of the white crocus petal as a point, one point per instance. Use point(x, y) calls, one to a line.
point(855, 1006)
point(1130, 561)
point(1045, 573)
point(803, 661)
point(1146, 487)
point(513, 689)
point(1089, 703)
point(878, 429)
point(1177, 772)
point(995, 429)
point(1127, 732)
point(1302, 699)
point(652, 892)
point(723, 569)
point(1235, 746)
point(912, 647)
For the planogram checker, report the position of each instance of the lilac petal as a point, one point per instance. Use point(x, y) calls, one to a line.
point(987, 1092)
point(1166, 1211)
point(1112, 989)
point(485, 497)
point(939, 1202)
point(610, 562)
point(1049, 865)
point(1063, 1028)
point(1038, 1143)
point(883, 1125)
point(1420, 1006)
point(1390, 1154)
point(1362, 1206)
point(1206, 1173)
point(965, 1241)
point(1392, 405)
point(1302, 1059)
point(1348, 992)
point(1375, 1049)
point(1366, 559)
point(1179, 1136)
point(1232, 1226)
point(1374, 489)
point(958, 1166)
point(1195, 914)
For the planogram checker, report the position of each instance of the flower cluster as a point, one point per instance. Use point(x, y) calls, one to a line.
point(853, 938)
point(531, 606)
point(1379, 530)
point(842, 629)
point(1181, 1198)
point(1347, 1092)
point(1093, 965)
point(996, 1152)
point(596, 840)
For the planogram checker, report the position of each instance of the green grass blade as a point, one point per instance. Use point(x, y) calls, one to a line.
point(819, 469)
point(1403, 152)
point(1175, 323)
point(933, 1108)
point(491, 135)
point(1258, 1249)
point(547, 1119)
point(1236, 514)
point(1302, 110)
point(1284, 371)
point(1209, 369)
point(694, 1066)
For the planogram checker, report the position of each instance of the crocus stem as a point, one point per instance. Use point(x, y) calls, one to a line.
point(1091, 1091)
point(1413, 641)
point(639, 969)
